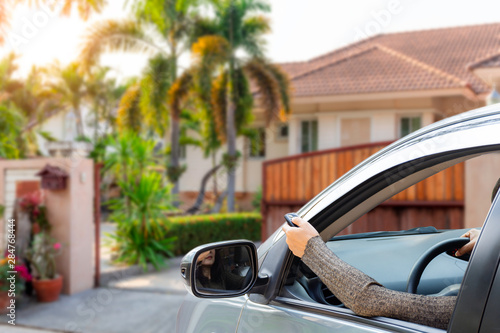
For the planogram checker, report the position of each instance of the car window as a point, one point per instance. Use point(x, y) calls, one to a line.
point(386, 242)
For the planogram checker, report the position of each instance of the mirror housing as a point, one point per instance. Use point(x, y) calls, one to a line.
point(232, 269)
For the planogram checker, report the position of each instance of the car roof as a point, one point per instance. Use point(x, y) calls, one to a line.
point(407, 161)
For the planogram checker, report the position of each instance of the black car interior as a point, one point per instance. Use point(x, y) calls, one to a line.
point(388, 257)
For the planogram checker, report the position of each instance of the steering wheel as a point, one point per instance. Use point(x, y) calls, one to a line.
point(426, 258)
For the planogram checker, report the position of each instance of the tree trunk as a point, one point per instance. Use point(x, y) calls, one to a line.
point(174, 155)
point(79, 122)
point(201, 194)
point(231, 146)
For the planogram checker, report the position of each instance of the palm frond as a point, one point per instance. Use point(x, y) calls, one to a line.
point(252, 30)
point(210, 50)
point(178, 92)
point(285, 88)
point(113, 36)
point(155, 84)
point(219, 105)
point(269, 91)
point(129, 113)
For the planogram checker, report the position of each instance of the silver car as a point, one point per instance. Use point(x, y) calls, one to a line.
point(271, 290)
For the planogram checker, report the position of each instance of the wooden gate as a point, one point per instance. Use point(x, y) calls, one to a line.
point(290, 182)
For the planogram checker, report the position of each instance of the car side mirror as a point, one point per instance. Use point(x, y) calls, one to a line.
point(222, 269)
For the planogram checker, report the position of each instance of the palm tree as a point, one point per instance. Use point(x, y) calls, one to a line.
point(103, 93)
point(24, 104)
point(84, 7)
point(69, 86)
point(230, 46)
point(161, 30)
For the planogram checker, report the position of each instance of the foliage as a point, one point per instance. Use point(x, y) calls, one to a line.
point(32, 203)
point(11, 124)
point(6, 264)
point(160, 29)
point(196, 230)
point(145, 198)
point(139, 238)
point(42, 255)
point(257, 199)
point(228, 49)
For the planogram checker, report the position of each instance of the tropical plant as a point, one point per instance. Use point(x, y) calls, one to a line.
point(32, 204)
point(11, 125)
point(160, 28)
point(23, 104)
point(229, 52)
point(145, 199)
point(42, 255)
point(103, 95)
point(139, 237)
point(69, 88)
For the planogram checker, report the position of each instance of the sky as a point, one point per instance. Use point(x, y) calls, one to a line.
point(301, 29)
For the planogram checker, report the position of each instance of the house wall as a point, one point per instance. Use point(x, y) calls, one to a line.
point(383, 117)
point(479, 189)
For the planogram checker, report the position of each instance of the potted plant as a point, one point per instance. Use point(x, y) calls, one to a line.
point(11, 288)
point(46, 282)
point(32, 203)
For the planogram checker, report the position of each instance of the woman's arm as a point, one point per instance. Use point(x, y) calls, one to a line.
point(359, 292)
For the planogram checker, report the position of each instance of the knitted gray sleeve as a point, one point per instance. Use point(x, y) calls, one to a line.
point(368, 298)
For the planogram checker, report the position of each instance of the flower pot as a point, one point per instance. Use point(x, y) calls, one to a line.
point(48, 290)
point(4, 301)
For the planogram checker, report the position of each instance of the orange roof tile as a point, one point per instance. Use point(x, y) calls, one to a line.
point(415, 60)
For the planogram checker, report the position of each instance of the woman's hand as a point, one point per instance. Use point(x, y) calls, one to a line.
point(297, 237)
point(473, 235)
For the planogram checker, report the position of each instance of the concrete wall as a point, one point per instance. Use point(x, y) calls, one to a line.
point(481, 175)
point(70, 213)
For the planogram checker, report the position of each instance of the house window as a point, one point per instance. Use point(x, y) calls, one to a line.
point(182, 151)
point(309, 136)
point(257, 147)
point(409, 124)
point(282, 132)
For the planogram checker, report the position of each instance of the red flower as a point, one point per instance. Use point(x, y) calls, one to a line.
point(23, 272)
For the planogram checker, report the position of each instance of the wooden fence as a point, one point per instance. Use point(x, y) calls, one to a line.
point(288, 183)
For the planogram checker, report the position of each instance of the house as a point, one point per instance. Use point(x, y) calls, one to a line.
point(375, 90)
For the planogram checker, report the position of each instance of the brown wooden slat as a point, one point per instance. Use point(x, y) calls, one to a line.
point(448, 179)
point(285, 183)
point(332, 174)
point(301, 180)
point(308, 184)
point(277, 181)
point(459, 181)
point(316, 174)
point(324, 171)
point(440, 184)
point(293, 180)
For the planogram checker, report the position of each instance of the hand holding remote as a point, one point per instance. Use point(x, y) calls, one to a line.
point(289, 217)
point(298, 235)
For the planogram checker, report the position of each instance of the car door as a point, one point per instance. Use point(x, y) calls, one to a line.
point(377, 179)
point(478, 302)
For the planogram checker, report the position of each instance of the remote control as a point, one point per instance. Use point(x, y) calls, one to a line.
point(289, 217)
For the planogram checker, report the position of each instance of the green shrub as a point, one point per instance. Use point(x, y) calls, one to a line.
point(195, 230)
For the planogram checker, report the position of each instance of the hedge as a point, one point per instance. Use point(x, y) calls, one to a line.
point(195, 230)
